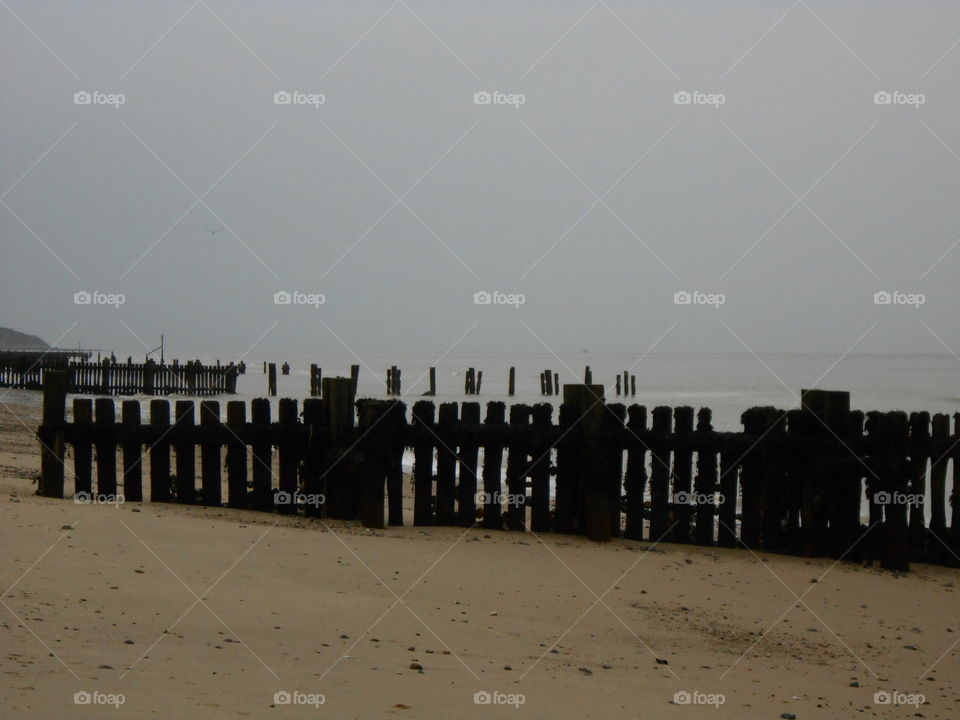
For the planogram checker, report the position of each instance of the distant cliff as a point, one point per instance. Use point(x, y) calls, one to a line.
point(13, 340)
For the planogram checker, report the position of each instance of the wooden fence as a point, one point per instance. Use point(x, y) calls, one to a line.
point(601, 470)
point(108, 377)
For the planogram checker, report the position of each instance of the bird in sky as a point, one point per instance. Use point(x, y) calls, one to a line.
point(213, 231)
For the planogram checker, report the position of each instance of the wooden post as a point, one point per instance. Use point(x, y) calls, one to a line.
point(469, 452)
point(82, 447)
point(186, 452)
point(556, 383)
point(132, 470)
point(896, 533)
point(511, 383)
point(433, 382)
point(683, 473)
point(635, 481)
point(543, 384)
point(633, 386)
point(210, 453)
point(374, 453)
point(917, 488)
point(618, 385)
point(149, 376)
point(53, 445)
point(660, 474)
point(752, 477)
point(938, 482)
point(517, 466)
point(540, 516)
point(479, 382)
point(396, 421)
point(446, 463)
point(705, 485)
point(160, 453)
point(105, 421)
point(237, 455)
point(729, 469)
point(615, 419)
point(492, 466)
point(549, 380)
point(776, 499)
point(315, 458)
point(272, 380)
point(423, 513)
point(587, 376)
point(262, 456)
point(591, 459)
point(354, 378)
point(314, 390)
point(289, 452)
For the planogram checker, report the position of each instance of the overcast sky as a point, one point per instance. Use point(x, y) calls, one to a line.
point(783, 189)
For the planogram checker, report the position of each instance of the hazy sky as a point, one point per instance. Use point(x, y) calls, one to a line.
point(598, 198)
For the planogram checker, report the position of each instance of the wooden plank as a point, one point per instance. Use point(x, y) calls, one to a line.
point(105, 421)
point(540, 515)
point(635, 481)
point(132, 468)
point(82, 447)
point(492, 468)
point(446, 464)
point(160, 453)
point(423, 511)
point(186, 452)
point(53, 447)
point(262, 458)
point(237, 456)
point(210, 489)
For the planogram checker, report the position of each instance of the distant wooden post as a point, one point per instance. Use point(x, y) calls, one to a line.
point(423, 513)
point(618, 385)
point(433, 382)
point(272, 380)
point(105, 377)
point(633, 386)
point(479, 382)
point(314, 390)
point(160, 453)
point(354, 378)
point(186, 452)
point(52, 449)
point(236, 455)
point(683, 474)
point(132, 469)
point(149, 376)
point(82, 447)
point(556, 383)
point(587, 376)
point(210, 453)
point(512, 382)
point(543, 384)
point(548, 376)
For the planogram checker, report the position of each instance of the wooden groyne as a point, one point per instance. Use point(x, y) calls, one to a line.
point(109, 377)
point(792, 481)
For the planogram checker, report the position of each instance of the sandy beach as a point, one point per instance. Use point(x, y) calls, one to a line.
point(153, 611)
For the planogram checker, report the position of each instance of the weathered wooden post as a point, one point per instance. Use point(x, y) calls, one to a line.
point(633, 386)
point(433, 382)
point(917, 488)
point(618, 385)
point(314, 390)
point(132, 469)
point(160, 452)
point(186, 451)
point(149, 376)
point(517, 466)
point(938, 482)
point(210, 453)
point(683, 498)
point(469, 452)
point(105, 377)
point(479, 382)
point(613, 443)
point(290, 454)
point(374, 451)
point(262, 455)
point(512, 382)
point(548, 375)
point(752, 476)
point(272, 380)
point(540, 516)
point(237, 455)
point(587, 376)
point(556, 383)
point(396, 421)
point(106, 444)
point(423, 512)
point(446, 463)
point(53, 445)
point(492, 466)
point(82, 446)
point(354, 378)
point(314, 464)
point(660, 474)
point(727, 516)
point(635, 481)
point(543, 384)
point(705, 484)
point(592, 460)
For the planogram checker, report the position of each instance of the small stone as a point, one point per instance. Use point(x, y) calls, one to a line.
point(344, 637)
point(606, 666)
point(662, 661)
point(128, 642)
point(416, 666)
point(507, 667)
point(854, 684)
point(586, 671)
point(788, 716)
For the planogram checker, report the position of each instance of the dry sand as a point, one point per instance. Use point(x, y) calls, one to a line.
point(189, 612)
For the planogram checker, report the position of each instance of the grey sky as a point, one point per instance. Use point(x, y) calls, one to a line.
point(706, 199)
